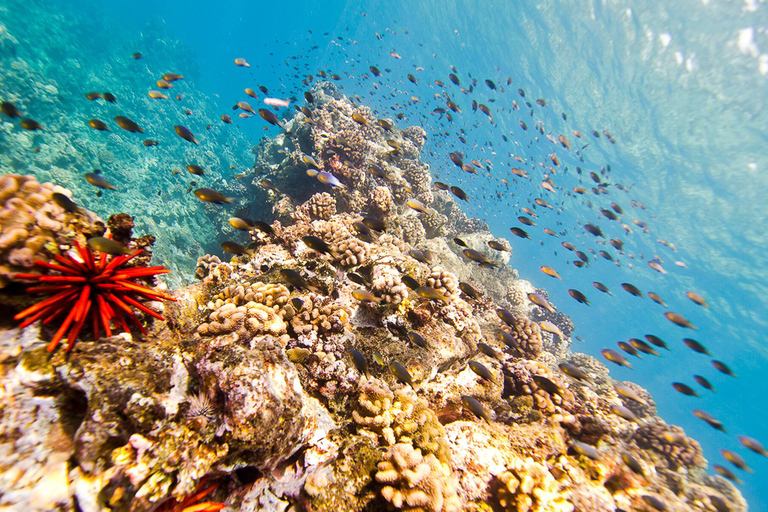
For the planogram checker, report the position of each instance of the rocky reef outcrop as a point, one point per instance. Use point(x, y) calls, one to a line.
point(358, 374)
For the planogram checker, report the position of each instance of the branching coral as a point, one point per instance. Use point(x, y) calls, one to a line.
point(417, 483)
point(527, 336)
point(33, 226)
point(320, 314)
point(387, 284)
point(443, 281)
point(529, 486)
point(245, 321)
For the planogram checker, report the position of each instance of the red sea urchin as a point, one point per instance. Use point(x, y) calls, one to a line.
point(97, 287)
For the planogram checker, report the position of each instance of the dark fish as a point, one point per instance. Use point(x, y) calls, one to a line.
point(629, 349)
point(9, 109)
point(316, 244)
point(678, 319)
point(624, 412)
point(456, 158)
point(722, 368)
point(211, 196)
point(655, 298)
point(375, 70)
point(498, 246)
point(481, 370)
point(709, 419)
point(172, 77)
point(614, 357)
point(150, 143)
point(410, 282)
point(520, 232)
point(656, 341)
point(357, 279)
point(696, 346)
point(427, 292)
point(632, 289)
point(264, 89)
point(359, 119)
point(490, 84)
point(91, 96)
point(684, 389)
point(263, 227)
point(474, 405)
point(418, 256)
point(525, 220)
point(128, 125)
point(617, 244)
point(97, 124)
point(698, 299)
point(400, 373)
point(753, 444)
point(727, 473)
point(417, 339)
point(475, 256)
point(460, 242)
point(184, 133)
point(241, 223)
point(359, 361)
point(586, 450)
point(506, 316)
point(30, 124)
point(195, 169)
point(308, 96)
point(591, 228)
point(269, 117)
point(601, 287)
point(107, 246)
point(642, 346)
point(64, 202)
point(469, 290)
point(459, 193)
point(365, 296)
point(375, 224)
point(99, 181)
point(294, 278)
point(735, 459)
point(578, 296)
point(233, 247)
point(703, 382)
point(574, 372)
point(655, 503)
point(108, 96)
point(377, 171)
point(137, 56)
point(540, 301)
point(547, 385)
point(297, 303)
point(632, 463)
point(508, 340)
point(486, 349)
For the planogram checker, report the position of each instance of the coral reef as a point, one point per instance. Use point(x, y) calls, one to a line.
point(312, 378)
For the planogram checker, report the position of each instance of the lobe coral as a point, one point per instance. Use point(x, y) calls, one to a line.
point(98, 288)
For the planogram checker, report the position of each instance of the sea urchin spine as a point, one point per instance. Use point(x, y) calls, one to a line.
point(100, 288)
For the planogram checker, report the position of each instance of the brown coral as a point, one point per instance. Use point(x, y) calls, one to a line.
point(244, 321)
point(443, 281)
point(527, 335)
point(529, 486)
point(671, 442)
point(320, 206)
point(33, 227)
point(387, 284)
point(415, 482)
point(320, 314)
point(274, 296)
point(519, 381)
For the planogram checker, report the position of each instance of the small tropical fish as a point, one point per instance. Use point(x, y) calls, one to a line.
point(591, 228)
point(365, 296)
point(9, 109)
point(642, 346)
point(316, 244)
point(410, 282)
point(244, 105)
point(150, 143)
point(540, 301)
point(359, 119)
point(269, 185)
point(358, 359)
point(241, 223)
point(656, 341)
point(655, 502)
point(163, 84)
point(678, 319)
point(417, 205)
point(195, 169)
point(469, 290)
point(475, 407)
point(685, 389)
point(586, 450)
point(703, 382)
point(458, 192)
point(574, 372)
point(460, 242)
point(614, 357)
point(109, 97)
point(233, 247)
point(696, 346)
point(627, 392)
point(601, 287)
point(241, 62)
point(632, 463)
point(578, 296)
point(753, 444)
point(551, 272)
point(400, 373)
point(211, 196)
point(269, 117)
point(128, 125)
point(295, 279)
point(498, 246)
point(426, 292)
point(375, 224)
point(489, 351)
point(476, 256)
point(629, 349)
point(709, 419)
point(722, 368)
point(64, 202)
point(624, 412)
point(418, 256)
point(655, 298)
point(99, 181)
point(632, 289)
point(107, 246)
point(417, 339)
point(481, 370)
point(185, 133)
point(91, 96)
point(520, 232)
point(736, 459)
point(172, 77)
point(698, 299)
point(727, 473)
point(96, 124)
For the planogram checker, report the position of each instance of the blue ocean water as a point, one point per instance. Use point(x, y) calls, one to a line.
point(680, 86)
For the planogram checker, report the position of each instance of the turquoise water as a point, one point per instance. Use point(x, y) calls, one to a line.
point(681, 86)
